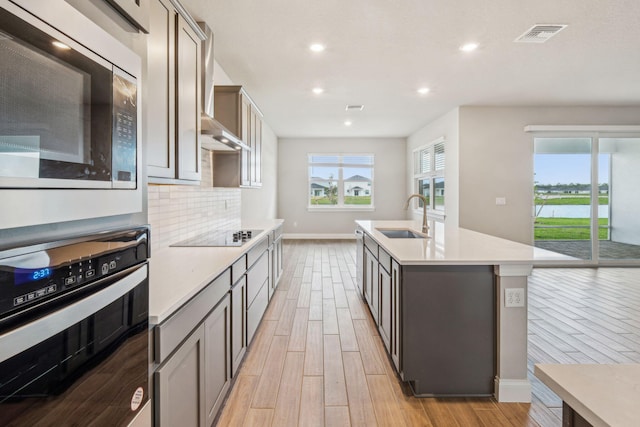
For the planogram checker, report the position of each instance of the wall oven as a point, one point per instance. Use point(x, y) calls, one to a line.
point(74, 339)
point(69, 117)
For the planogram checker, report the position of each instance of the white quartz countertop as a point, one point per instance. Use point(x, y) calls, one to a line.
point(176, 274)
point(453, 245)
point(604, 395)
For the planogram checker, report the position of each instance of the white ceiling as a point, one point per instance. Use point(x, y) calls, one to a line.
point(379, 52)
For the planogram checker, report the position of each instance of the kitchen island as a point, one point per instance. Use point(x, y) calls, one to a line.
point(440, 304)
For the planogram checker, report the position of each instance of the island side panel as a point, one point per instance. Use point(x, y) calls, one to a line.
point(512, 383)
point(449, 329)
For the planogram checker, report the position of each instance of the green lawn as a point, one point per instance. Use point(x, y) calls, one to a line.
point(565, 230)
point(348, 200)
point(570, 200)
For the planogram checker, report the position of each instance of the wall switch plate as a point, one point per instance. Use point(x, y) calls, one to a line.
point(501, 201)
point(514, 297)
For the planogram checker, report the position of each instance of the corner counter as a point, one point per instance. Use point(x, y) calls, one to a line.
point(505, 266)
point(176, 274)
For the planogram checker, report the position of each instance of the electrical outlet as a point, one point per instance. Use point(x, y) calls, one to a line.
point(514, 297)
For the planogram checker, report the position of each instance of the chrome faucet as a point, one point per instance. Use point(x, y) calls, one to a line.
point(425, 227)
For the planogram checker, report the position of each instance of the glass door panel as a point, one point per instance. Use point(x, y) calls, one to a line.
point(618, 218)
point(562, 192)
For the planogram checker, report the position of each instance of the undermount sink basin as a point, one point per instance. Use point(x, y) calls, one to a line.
point(401, 233)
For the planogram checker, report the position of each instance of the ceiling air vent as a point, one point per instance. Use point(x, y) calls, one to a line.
point(540, 33)
point(354, 107)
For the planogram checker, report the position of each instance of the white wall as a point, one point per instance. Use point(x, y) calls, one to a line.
point(261, 203)
point(625, 192)
point(389, 183)
point(496, 160)
point(445, 126)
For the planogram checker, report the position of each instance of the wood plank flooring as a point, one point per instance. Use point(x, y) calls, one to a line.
point(318, 360)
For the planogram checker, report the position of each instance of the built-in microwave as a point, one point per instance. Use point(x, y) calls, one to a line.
point(69, 117)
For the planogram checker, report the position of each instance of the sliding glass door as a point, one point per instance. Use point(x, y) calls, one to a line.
point(587, 197)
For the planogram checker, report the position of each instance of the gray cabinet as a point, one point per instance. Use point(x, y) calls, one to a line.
point(385, 313)
point(396, 320)
point(238, 113)
point(275, 261)
point(257, 292)
point(179, 385)
point(238, 323)
point(371, 282)
point(173, 97)
point(217, 360)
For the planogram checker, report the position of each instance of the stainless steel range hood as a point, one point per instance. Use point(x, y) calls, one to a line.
point(214, 136)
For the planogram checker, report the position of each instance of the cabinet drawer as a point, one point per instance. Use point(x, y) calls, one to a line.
point(256, 277)
point(256, 310)
point(176, 328)
point(238, 269)
point(371, 244)
point(257, 251)
point(384, 259)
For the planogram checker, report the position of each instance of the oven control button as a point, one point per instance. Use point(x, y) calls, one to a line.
point(19, 300)
point(105, 268)
point(31, 295)
point(70, 280)
point(41, 292)
point(51, 288)
point(112, 265)
point(90, 273)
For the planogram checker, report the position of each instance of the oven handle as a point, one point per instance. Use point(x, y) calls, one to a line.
point(24, 337)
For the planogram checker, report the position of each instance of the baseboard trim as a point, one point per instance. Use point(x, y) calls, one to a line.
point(318, 236)
point(512, 390)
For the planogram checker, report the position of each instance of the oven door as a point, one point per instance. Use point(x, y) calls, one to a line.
point(85, 364)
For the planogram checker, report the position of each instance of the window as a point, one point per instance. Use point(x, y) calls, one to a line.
point(341, 181)
point(428, 175)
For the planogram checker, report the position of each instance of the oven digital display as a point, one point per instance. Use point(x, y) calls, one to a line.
point(27, 275)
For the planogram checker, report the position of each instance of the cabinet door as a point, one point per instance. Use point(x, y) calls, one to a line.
point(238, 323)
point(188, 105)
point(371, 291)
point(217, 366)
point(179, 385)
point(160, 101)
point(245, 130)
point(256, 145)
point(395, 315)
point(278, 260)
point(385, 311)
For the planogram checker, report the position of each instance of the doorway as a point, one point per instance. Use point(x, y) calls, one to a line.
point(587, 197)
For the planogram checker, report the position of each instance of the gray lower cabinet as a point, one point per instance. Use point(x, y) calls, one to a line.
point(179, 385)
point(257, 293)
point(217, 360)
point(371, 289)
point(238, 323)
point(437, 322)
point(385, 313)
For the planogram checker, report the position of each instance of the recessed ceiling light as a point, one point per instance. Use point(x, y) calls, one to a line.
point(317, 90)
point(423, 90)
point(469, 47)
point(347, 123)
point(317, 47)
point(60, 45)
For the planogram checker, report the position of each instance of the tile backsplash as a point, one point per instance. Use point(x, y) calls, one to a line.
point(179, 212)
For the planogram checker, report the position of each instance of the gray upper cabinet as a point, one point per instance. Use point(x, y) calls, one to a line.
point(173, 95)
point(238, 113)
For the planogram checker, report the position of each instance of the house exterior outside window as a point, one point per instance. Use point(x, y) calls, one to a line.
point(428, 175)
point(340, 181)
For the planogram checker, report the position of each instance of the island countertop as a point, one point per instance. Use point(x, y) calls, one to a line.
point(176, 274)
point(446, 244)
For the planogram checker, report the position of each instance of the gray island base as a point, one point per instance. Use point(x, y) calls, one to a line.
point(440, 307)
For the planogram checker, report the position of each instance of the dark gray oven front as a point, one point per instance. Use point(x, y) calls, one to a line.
point(74, 341)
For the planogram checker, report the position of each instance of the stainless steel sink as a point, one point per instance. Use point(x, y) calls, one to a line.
point(400, 233)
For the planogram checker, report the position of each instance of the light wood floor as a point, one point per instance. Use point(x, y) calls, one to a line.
point(317, 358)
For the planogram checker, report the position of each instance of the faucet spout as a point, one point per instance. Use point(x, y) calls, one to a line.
point(425, 227)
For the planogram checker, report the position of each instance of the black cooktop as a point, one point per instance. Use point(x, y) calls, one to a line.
point(220, 238)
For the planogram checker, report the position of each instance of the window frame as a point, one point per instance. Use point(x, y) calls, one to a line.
point(340, 181)
point(434, 171)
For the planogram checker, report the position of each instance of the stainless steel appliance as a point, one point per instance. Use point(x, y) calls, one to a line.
point(69, 117)
point(220, 238)
point(74, 340)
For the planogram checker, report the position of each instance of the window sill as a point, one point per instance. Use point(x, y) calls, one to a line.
point(340, 209)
